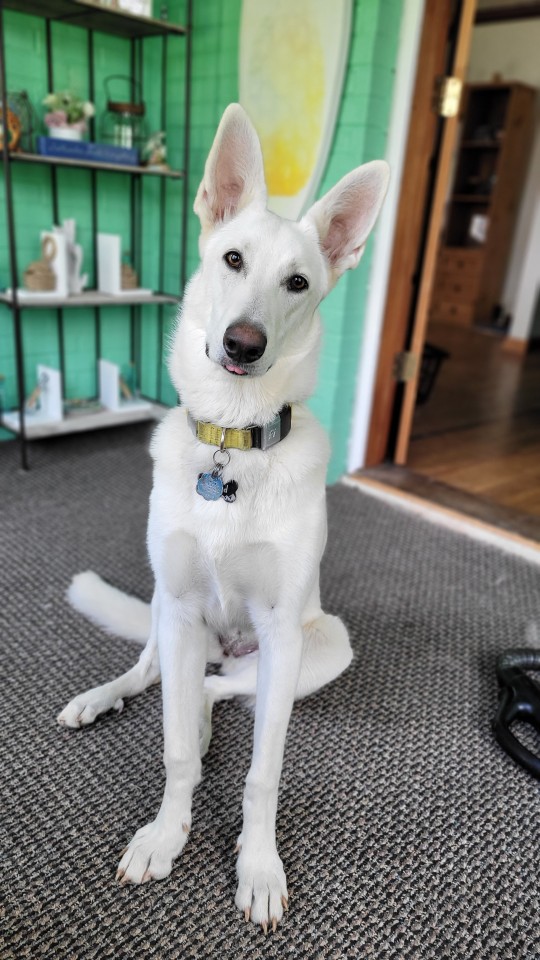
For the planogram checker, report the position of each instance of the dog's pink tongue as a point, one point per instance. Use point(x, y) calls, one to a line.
point(234, 369)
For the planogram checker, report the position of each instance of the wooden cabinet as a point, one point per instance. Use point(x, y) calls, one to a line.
point(491, 165)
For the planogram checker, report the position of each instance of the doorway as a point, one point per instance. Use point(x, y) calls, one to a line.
point(468, 415)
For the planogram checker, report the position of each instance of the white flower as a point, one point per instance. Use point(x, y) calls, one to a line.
point(88, 109)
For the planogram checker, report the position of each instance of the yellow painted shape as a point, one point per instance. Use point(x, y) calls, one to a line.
point(286, 91)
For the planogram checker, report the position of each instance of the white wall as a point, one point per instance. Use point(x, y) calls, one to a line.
point(409, 41)
point(512, 50)
point(528, 289)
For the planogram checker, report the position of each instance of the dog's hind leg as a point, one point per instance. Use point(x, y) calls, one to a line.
point(326, 652)
point(240, 680)
point(84, 709)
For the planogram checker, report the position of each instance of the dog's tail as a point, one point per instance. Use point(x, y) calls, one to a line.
point(114, 611)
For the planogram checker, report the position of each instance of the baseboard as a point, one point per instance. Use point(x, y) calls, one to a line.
point(444, 516)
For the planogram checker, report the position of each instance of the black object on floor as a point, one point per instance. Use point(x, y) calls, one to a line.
point(432, 358)
point(519, 701)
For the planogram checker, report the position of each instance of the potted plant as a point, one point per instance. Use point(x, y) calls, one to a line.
point(67, 115)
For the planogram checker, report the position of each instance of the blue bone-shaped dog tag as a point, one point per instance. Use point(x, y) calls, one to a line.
point(209, 486)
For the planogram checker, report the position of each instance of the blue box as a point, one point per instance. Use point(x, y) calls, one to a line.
point(85, 151)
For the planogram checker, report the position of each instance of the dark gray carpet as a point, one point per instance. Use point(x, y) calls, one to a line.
point(405, 831)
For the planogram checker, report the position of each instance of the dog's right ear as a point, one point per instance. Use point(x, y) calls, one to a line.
point(234, 173)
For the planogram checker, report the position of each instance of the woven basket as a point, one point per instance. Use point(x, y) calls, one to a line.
point(39, 276)
point(129, 279)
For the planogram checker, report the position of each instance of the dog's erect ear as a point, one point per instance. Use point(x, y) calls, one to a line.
point(234, 173)
point(345, 216)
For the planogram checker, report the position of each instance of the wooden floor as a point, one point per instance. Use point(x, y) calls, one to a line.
point(480, 429)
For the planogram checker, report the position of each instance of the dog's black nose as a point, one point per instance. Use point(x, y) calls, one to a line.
point(244, 343)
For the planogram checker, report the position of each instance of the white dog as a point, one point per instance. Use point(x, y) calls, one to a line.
point(237, 522)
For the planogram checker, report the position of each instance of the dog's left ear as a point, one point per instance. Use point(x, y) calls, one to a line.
point(234, 173)
point(345, 216)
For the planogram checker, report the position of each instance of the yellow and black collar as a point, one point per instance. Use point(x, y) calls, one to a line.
point(250, 438)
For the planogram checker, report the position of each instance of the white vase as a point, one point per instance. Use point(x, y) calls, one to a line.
point(65, 133)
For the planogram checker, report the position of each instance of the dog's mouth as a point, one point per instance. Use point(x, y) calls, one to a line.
point(234, 368)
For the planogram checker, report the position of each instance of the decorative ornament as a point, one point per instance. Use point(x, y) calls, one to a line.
point(128, 277)
point(67, 115)
point(39, 275)
point(154, 152)
point(76, 281)
point(33, 402)
point(14, 130)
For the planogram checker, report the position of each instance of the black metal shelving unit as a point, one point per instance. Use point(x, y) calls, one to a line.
point(91, 16)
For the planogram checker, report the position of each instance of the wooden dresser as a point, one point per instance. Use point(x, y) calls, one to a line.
point(490, 170)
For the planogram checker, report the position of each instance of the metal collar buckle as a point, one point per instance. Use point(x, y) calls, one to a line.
point(271, 433)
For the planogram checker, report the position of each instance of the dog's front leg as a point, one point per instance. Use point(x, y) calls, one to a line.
point(182, 643)
point(262, 887)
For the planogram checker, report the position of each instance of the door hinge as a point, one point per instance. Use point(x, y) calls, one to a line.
point(447, 96)
point(405, 366)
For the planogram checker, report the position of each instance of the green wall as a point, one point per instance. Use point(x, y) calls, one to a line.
point(32, 184)
point(360, 136)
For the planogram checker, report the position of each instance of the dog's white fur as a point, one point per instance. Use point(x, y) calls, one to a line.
point(250, 567)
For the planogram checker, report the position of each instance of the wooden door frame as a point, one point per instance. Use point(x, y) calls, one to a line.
point(434, 224)
point(419, 187)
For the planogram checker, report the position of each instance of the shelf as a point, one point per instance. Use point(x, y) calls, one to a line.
point(81, 422)
point(93, 16)
point(90, 298)
point(471, 198)
point(93, 165)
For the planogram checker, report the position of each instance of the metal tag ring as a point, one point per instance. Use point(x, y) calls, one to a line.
point(222, 463)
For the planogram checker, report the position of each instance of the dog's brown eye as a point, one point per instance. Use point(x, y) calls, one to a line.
point(297, 283)
point(233, 259)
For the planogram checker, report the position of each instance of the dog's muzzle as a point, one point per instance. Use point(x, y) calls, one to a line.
point(244, 344)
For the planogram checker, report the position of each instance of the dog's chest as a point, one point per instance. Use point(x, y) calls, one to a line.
point(236, 546)
point(270, 485)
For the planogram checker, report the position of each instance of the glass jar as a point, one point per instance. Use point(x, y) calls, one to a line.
point(123, 123)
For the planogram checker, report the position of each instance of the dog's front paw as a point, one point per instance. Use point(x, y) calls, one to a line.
point(262, 888)
point(83, 710)
point(150, 854)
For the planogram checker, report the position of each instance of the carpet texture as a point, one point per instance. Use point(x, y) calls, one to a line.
point(405, 831)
